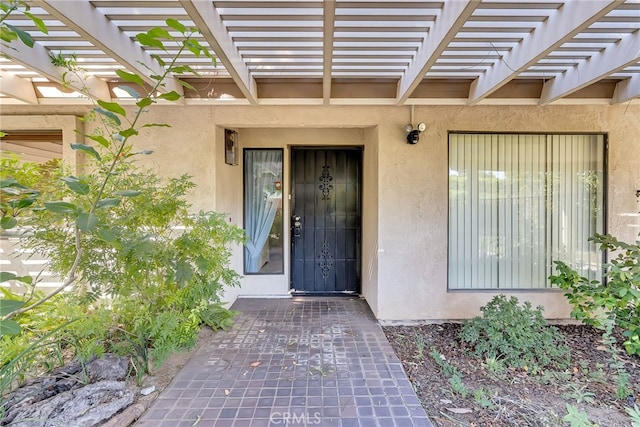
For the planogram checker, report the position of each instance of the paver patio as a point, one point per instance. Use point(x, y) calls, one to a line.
point(321, 361)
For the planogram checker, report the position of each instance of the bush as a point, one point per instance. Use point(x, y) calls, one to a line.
point(517, 335)
point(615, 299)
point(140, 271)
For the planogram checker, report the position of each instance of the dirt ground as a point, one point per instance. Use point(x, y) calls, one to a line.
point(516, 398)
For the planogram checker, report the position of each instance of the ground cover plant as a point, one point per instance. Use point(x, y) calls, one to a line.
point(467, 375)
point(141, 271)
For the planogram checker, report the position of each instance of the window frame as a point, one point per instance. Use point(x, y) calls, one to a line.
point(605, 199)
point(244, 212)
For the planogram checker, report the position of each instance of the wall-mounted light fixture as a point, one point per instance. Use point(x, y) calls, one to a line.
point(413, 135)
point(230, 147)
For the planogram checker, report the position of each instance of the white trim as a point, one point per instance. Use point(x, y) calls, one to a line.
point(18, 88)
point(573, 17)
point(614, 58)
point(452, 17)
point(626, 90)
point(327, 48)
point(208, 20)
point(94, 26)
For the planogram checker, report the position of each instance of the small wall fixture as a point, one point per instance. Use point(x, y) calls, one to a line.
point(413, 135)
point(230, 147)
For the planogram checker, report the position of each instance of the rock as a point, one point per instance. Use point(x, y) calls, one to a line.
point(87, 406)
point(148, 390)
point(460, 410)
point(37, 389)
point(126, 417)
point(61, 398)
point(108, 367)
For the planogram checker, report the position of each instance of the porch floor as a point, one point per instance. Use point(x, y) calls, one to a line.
point(321, 361)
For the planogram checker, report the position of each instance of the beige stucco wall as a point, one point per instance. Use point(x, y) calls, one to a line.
point(405, 186)
point(69, 125)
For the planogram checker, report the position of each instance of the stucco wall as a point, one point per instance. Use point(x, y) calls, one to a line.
point(405, 201)
point(415, 265)
point(68, 124)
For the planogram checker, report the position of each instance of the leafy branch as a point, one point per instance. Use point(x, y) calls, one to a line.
point(8, 32)
point(112, 115)
point(614, 300)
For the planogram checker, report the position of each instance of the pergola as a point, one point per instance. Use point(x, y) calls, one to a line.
point(339, 52)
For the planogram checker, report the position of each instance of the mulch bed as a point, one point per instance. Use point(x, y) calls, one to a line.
point(517, 398)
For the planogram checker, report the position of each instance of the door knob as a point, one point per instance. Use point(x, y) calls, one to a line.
point(296, 225)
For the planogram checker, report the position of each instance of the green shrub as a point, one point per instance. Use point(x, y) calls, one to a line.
point(517, 335)
point(616, 299)
point(141, 271)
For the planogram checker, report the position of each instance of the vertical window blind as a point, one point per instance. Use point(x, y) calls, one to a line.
point(519, 202)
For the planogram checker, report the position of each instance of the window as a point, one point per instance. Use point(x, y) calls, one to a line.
point(519, 202)
point(263, 211)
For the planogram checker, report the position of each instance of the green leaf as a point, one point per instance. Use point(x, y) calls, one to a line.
point(159, 59)
point(108, 114)
point(37, 21)
point(9, 327)
point(23, 35)
point(159, 33)
point(100, 140)
point(8, 222)
point(197, 49)
point(130, 77)
point(61, 207)
point(131, 91)
point(76, 185)
point(146, 40)
point(7, 35)
point(8, 182)
point(128, 193)
point(11, 191)
point(114, 107)
point(150, 125)
point(144, 102)
point(126, 133)
point(184, 272)
point(87, 222)
point(145, 152)
point(9, 305)
point(176, 25)
point(182, 69)
point(185, 84)
point(109, 236)
point(87, 149)
point(107, 203)
point(25, 279)
point(193, 46)
point(22, 203)
point(170, 96)
point(5, 276)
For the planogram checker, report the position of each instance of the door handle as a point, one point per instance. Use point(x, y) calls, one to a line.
point(296, 225)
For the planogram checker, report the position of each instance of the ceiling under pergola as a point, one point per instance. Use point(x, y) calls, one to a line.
point(343, 52)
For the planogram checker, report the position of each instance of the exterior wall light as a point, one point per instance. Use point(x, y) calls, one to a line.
point(413, 135)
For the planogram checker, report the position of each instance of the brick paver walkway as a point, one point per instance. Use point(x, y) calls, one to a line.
point(311, 361)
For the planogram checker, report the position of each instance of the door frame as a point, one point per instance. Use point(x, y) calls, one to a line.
point(360, 150)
